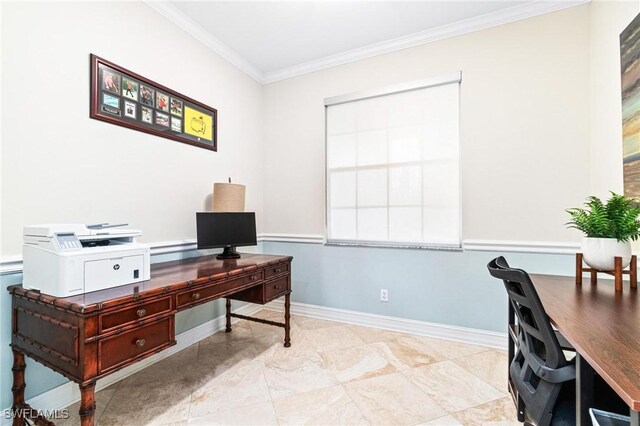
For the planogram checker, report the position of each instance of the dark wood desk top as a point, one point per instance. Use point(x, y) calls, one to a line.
point(602, 324)
point(165, 277)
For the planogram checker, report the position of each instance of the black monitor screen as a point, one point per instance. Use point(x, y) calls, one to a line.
point(216, 230)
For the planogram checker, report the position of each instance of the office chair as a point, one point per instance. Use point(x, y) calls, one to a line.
point(542, 376)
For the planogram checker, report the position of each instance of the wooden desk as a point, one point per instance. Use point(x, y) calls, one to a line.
point(90, 336)
point(604, 327)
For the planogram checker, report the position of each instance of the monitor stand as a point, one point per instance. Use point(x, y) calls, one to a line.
point(229, 253)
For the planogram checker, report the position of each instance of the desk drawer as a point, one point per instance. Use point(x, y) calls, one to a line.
point(272, 271)
point(122, 349)
point(130, 315)
point(276, 288)
point(216, 290)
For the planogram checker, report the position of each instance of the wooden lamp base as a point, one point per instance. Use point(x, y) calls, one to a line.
point(617, 272)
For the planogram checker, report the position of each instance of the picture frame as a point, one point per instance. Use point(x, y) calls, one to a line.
point(124, 98)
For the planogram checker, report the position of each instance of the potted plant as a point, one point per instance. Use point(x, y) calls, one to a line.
point(609, 229)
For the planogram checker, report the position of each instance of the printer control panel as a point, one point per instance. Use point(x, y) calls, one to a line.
point(68, 241)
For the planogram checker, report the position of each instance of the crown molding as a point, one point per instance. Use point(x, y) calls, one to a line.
point(164, 8)
point(489, 20)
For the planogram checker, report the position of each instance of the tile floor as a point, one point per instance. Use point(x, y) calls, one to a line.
point(333, 374)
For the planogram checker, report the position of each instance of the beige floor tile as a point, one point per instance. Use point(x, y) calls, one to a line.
point(239, 331)
point(452, 350)
point(442, 421)
point(491, 366)
point(102, 399)
point(407, 352)
point(216, 358)
point(326, 406)
point(269, 315)
point(248, 377)
point(332, 338)
point(270, 349)
point(359, 362)
point(261, 414)
point(239, 386)
point(372, 335)
point(287, 376)
point(392, 400)
point(116, 385)
point(166, 370)
point(501, 412)
point(308, 323)
point(265, 331)
point(148, 405)
point(451, 386)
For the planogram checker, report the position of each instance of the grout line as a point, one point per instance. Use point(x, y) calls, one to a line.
point(353, 400)
point(108, 402)
point(269, 390)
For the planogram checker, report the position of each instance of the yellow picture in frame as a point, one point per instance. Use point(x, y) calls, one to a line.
point(198, 124)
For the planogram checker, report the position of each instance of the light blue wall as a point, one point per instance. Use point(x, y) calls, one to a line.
point(443, 287)
point(40, 378)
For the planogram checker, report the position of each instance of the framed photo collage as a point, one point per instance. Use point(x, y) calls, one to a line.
point(121, 97)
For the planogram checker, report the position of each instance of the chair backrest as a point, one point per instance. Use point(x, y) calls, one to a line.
point(539, 367)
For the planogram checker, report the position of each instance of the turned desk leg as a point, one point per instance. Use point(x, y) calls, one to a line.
point(287, 320)
point(87, 404)
point(18, 387)
point(228, 316)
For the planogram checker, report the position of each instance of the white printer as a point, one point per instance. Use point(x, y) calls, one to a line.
point(69, 259)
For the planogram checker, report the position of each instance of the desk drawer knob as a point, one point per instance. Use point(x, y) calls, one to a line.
point(140, 342)
point(277, 270)
point(141, 312)
point(253, 277)
point(276, 287)
point(196, 296)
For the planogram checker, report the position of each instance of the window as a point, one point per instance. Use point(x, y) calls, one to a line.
point(393, 165)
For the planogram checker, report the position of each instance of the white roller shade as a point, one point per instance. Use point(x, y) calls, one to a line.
point(393, 163)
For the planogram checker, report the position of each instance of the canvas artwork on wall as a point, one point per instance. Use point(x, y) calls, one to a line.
point(630, 69)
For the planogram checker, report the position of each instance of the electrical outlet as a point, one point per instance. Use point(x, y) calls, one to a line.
point(384, 295)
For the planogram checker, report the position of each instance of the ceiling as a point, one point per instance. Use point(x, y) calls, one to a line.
point(272, 40)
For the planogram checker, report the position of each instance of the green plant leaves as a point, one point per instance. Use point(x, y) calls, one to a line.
point(618, 218)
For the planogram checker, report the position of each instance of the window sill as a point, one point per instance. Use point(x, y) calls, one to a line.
point(393, 246)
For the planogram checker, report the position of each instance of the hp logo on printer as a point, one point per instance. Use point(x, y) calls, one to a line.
point(116, 267)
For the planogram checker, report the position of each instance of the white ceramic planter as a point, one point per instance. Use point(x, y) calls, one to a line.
point(600, 253)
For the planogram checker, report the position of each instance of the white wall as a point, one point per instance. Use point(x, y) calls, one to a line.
point(608, 19)
point(524, 127)
point(60, 166)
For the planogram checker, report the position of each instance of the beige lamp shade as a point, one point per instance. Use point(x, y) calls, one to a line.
point(228, 197)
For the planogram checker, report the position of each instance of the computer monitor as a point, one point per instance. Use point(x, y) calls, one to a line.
point(226, 230)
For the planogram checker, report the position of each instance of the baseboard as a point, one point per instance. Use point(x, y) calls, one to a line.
point(69, 393)
point(474, 336)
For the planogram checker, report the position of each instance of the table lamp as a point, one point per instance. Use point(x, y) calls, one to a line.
point(228, 197)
